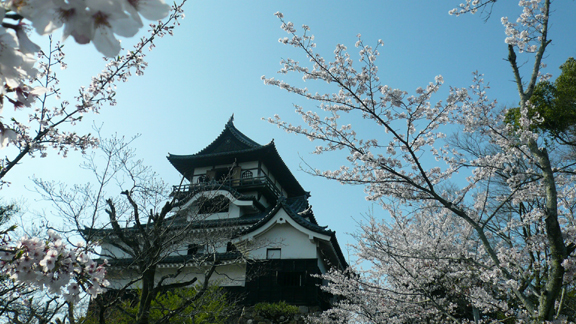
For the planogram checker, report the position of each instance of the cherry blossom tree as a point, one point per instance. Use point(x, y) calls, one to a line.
point(482, 221)
point(41, 119)
point(24, 83)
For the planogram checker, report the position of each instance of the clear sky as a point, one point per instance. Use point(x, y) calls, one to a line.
point(211, 69)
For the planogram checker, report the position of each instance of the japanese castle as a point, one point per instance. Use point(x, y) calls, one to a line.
point(245, 209)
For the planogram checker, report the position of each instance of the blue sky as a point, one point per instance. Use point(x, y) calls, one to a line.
point(211, 69)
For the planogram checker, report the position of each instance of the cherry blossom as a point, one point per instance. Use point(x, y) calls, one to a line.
point(27, 84)
point(14, 65)
point(481, 222)
point(96, 21)
point(25, 45)
point(42, 129)
point(6, 135)
point(149, 9)
point(50, 265)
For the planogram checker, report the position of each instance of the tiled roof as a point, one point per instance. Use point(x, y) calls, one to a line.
point(282, 203)
point(229, 134)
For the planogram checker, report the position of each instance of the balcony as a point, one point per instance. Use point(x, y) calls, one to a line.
point(244, 183)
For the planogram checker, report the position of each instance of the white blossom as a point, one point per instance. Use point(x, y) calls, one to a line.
point(471, 216)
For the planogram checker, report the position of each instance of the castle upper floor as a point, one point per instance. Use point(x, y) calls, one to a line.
point(236, 161)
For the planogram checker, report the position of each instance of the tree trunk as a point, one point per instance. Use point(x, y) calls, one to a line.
point(554, 235)
point(146, 297)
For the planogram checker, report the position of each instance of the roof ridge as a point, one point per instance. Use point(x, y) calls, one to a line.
point(239, 135)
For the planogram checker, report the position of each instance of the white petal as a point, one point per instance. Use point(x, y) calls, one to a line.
point(27, 66)
point(153, 9)
point(80, 26)
point(46, 24)
point(38, 91)
point(24, 43)
point(108, 13)
point(105, 42)
point(132, 12)
point(126, 27)
point(6, 136)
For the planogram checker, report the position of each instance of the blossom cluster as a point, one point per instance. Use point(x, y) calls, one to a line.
point(528, 26)
point(470, 6)
point(35, 130)
point(96, 21)
point(525, 32)
point(49, 264)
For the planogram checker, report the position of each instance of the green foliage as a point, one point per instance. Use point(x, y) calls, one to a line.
point(178, 306)
point(273, 311)
point(554, 102)
point(212, 308)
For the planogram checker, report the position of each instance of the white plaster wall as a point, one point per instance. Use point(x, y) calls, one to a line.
point(181, 250)
point(233, 210)
point(198, 172)
point(208, 241)
point(262, 199)
point(293, 243)
point(201, 170)
point(120, 278)
point(225, 276)
point(264, 169)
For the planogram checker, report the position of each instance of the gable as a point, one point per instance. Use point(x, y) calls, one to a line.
point(282, 232)
point(288, 241)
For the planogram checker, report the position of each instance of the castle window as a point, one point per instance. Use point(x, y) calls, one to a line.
point(247, 174)
point(273, 254)
point(289, 279)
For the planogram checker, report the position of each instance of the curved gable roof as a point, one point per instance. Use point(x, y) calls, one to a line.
point(233, 146)
point(282, 203)
point(309, 225)
point(230, 140)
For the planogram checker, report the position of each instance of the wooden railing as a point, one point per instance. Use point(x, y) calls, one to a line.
point(259, 181)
